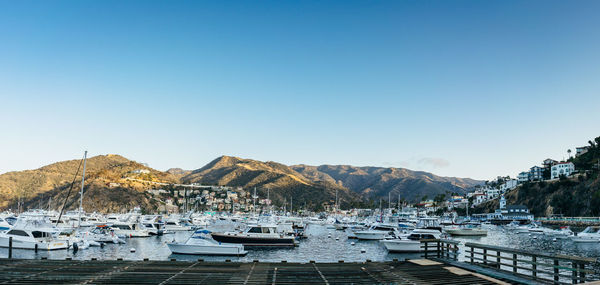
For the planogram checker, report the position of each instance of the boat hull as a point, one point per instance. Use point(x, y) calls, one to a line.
point(253, 241)
point(206, 250)
point(53, 245)
point(370, 235)
point(405, 246)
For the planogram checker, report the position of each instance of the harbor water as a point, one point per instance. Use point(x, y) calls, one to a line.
point(322, 245)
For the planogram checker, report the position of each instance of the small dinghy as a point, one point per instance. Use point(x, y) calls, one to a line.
point(202, 244)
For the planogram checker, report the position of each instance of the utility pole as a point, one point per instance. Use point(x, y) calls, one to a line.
point(292, 205)
point(390, 200)
point(81, 193)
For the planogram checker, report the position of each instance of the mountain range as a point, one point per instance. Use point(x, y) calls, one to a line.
point(115, 183)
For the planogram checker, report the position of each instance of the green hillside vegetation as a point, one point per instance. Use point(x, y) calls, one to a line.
point(575, 196)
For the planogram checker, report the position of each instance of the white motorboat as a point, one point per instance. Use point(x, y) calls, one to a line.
point(378, 232)
point(562, 233)
point(175, 225)
point(411, 242)
point(102, 234)
point(589, 235)
point(202, 244)
point(466, 231)
point(33, 234)
point(124, 229)
point(256, 235)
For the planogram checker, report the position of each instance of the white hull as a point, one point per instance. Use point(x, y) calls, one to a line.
point(51, 245)
point(222, 249)
point(405, 246)
point(466, 232)
point(368, 235)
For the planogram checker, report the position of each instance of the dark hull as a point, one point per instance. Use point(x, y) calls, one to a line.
point(253, 241)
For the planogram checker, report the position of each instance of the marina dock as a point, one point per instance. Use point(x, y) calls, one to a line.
point(420, 271)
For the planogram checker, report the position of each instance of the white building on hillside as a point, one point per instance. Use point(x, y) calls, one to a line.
point(563, 168)
point(508, 185)
point(523, 177)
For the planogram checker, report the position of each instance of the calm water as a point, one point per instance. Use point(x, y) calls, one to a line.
point(316, 247)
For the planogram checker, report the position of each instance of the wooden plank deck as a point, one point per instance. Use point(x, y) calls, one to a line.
point(185, 272)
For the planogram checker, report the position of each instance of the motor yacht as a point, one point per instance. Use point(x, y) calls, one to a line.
point(33, 234)
point(590, 235)
point(129, 230)
point(378, 232)
point(201, 243)
point(466, 231)
point(412, 241)
point(256, 235)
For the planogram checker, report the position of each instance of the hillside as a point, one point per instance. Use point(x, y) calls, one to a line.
point(282, 181)
point(574, 196)
point(378, 181)
point(109, 185)
point(115, 183)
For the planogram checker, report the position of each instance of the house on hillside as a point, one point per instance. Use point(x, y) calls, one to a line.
point(536, 173)
point(508, 185)
point(549, 162)
point(563, 168)
point(523, 177)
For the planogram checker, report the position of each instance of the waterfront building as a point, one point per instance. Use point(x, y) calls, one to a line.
point(563, 168)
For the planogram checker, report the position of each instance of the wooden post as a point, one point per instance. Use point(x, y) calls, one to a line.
point(425, 249)
point(556, 277)
point(9, 247)
point(574, 273)
point(485, 256)
point(582, 272)
point(534, 266)
point(498, 259)
point(514, 262)
point(456, 252)
point(472, 250)
point(438, 249)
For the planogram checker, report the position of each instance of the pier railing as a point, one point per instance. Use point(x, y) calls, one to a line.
point(440, 248)
point(558, 269)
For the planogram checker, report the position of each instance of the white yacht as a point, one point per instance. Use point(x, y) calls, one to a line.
point(590, 234)
point(378, 232)
point(130, 230)
point(202, 244)
point(466, 231)
point(256, 235)
point(102, 234)
point(175, 225)
point(411, 242)
point(33, 234)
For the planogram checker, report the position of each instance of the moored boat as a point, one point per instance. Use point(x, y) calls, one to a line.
point(201, 243)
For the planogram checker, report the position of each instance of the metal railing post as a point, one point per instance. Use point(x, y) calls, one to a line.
point(556, 276)
point(534, 266)
point(514, 262)
point(438, 249)
point(10, 247)
point(426, 248)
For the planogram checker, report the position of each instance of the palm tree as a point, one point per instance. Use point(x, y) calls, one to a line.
point(569, 152)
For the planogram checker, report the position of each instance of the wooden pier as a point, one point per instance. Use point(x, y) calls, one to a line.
point(420, 271)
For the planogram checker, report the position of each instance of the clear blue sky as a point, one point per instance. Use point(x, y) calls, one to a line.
point(458, 88)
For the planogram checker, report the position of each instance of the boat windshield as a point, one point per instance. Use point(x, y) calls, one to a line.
point(38, 234)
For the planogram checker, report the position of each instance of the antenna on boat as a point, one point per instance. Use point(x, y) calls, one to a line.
point(81, 193)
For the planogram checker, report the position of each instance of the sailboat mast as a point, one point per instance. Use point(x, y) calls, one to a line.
point(81, 193)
